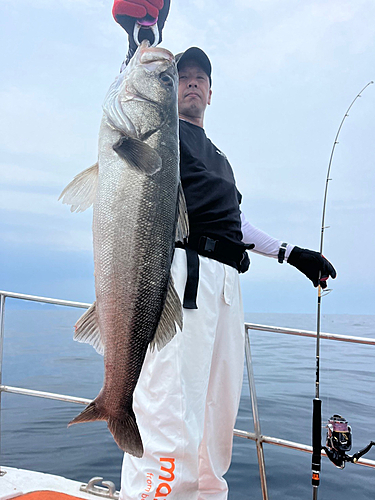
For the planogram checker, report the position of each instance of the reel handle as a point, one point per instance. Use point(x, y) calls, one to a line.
point(362, 452)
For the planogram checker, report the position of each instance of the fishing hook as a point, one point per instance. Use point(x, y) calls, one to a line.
point(154, 28)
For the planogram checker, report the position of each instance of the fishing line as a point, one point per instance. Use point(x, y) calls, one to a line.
point(317, 403)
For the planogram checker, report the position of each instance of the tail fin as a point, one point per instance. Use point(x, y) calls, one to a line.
point(126, 434)
point(124, 428)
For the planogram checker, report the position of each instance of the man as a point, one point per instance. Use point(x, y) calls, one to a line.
point(187, 397)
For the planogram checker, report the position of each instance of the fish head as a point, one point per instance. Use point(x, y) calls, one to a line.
point(144, 96)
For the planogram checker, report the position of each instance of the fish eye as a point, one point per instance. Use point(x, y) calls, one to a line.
point(166, 79)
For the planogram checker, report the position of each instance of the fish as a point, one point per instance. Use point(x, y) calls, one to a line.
point(139, 212)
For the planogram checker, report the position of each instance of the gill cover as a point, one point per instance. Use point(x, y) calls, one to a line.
point(128, 86)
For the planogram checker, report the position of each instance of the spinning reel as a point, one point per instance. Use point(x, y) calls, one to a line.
point(339, 441)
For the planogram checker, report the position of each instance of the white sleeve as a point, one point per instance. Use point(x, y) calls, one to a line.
point(264, 243)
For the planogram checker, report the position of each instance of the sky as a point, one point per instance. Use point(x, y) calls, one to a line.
point(284, 73)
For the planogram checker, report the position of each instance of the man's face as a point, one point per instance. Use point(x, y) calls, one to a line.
point(194, 93)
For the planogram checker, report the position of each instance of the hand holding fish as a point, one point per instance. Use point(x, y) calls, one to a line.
point(136, 8)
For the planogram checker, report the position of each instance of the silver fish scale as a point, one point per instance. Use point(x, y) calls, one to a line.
point(134, 229)
point(132, 261)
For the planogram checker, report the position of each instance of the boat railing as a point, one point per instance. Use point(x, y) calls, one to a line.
point(256, 436)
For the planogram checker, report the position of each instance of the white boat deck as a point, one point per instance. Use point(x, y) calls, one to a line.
point(18, 482)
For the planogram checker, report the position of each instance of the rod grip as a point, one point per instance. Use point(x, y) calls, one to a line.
point(316, 441)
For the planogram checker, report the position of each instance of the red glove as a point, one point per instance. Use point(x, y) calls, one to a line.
point(127, 12)
point(137, 8)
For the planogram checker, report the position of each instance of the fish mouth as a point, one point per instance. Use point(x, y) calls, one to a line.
point(152, 57)
point(149, 54)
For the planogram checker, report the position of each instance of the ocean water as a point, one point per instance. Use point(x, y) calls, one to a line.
point(39, 353)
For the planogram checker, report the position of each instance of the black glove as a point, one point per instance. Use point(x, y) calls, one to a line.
point(310, 264)
point(124, 13)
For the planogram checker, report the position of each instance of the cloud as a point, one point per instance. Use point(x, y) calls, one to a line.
point(17, 176)
point(36, 123)
point(283, 72)
point(279, 33)
point(73, 240)
point(32, 220)
point(31, 203)
point(66, 4)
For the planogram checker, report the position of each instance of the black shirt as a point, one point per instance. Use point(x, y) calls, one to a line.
point(210, 190)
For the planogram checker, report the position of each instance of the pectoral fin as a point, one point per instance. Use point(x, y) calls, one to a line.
point(80, 193)
point(87, 330)
point(138, 154)
point(172, 314)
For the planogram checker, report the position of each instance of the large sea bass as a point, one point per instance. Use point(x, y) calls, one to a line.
point(139, 212)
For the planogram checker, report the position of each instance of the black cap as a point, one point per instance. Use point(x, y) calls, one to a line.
point(197, 55)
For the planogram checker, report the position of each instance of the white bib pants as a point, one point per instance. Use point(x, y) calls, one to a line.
point(187, 396)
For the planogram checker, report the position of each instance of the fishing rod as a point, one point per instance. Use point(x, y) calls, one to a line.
point(339, 432)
